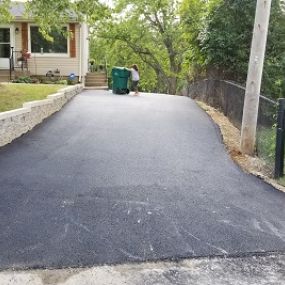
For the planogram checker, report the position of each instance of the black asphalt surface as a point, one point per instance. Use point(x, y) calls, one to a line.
point(113, 179)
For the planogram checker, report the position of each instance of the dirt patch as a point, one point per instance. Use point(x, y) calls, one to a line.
point(231, 138)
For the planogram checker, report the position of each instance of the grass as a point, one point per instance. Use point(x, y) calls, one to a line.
point(266, 148)
point(266, 144)
point(13, 95)
point(281, 181)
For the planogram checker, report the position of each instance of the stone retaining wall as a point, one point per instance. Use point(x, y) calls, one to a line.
point(14, 123)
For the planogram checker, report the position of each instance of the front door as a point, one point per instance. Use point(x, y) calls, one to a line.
point(5, 44)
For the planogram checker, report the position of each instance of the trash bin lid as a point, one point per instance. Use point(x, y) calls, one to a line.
point(120, 71)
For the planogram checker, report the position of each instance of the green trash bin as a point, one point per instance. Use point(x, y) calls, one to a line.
point(120, 78)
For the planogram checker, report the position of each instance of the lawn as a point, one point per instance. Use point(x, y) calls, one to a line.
point(13, 95)
point(266, 143)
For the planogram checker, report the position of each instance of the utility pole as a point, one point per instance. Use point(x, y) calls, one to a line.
point(254, 76)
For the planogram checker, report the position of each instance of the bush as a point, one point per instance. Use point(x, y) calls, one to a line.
point(23, 79)
point(63, 82)
point(266, 144)
point(71, 82)
point(52, 80)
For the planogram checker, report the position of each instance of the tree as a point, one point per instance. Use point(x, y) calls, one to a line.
point(224, 43)
point(274, 66)
point(225, 39)
point(5, 15)
point(193, 14)
point(152, 30)
point(51, 15)
point(118, 53)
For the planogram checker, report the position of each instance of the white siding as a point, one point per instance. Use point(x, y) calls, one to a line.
point(18, 37)
point(85, 50)
point(41, 64)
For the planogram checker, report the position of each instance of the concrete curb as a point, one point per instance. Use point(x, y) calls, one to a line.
point(16, 122)
point(255, 270)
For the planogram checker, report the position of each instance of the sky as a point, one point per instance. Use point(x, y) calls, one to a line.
point(108, 2)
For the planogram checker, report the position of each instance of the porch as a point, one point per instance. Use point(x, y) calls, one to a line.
point(13, 63)
point(6, 75)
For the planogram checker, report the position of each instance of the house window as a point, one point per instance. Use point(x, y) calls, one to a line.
point(40, 45)
point(5, 42)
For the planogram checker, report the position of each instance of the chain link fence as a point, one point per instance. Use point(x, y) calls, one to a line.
point(228, 97)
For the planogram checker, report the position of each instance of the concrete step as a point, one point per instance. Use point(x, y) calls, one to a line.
point(96, 78)
point(4, 77)
point(96, 87)
point(97, 75)
point(95, 84)
point(5, 74)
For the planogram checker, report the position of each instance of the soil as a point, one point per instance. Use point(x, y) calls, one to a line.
point(231, 138)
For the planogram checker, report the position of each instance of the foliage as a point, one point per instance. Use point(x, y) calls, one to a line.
point(266, 144)
point(274, 67)
point(225, 39)
point(23, 79)
point(5, 15)
point(43, 80)
point(51, 15)
point(48, 80)
point(150, 32)
point(120, 54)
point(193, 14)
point(171, 40)
point(70, 82)
point(225, 44)
point(199, 39)
point(61, 82)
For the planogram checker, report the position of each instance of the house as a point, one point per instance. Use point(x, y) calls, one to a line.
point(23, 50)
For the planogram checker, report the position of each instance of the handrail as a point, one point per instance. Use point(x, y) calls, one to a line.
point(18, 59)
point(11, 62)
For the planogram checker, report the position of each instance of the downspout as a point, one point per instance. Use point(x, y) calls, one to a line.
point(80, 53)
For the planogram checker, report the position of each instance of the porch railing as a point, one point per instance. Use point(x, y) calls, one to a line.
point(102, 67)
point(11, 62)
point(18, 60)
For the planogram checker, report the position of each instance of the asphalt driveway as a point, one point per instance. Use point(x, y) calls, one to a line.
point(113, 179)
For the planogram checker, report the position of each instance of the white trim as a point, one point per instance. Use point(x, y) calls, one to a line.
point(84, 49)
point(80, 52)
point(12, 33)
point(48, 55)
point(12, 43)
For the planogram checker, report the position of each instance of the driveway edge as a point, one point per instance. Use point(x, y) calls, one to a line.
point(253, 270)
point(16, 122)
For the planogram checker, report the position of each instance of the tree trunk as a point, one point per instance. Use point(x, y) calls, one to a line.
point(172, 85)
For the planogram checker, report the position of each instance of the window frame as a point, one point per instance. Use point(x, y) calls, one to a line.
point(45, 54)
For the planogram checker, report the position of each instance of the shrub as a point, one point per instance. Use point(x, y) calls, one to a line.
point(23, 79)
point(71, 82)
